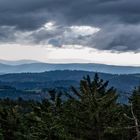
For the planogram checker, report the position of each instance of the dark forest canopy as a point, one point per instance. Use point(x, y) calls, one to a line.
point(92, 113)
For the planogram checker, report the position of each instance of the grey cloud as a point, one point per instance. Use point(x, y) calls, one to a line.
point(119, 38)
point(33, 13)
point(7, 34)
point(119, 21)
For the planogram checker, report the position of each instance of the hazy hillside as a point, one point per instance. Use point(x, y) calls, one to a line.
point(17, 62)
point(41, 67)
point(65, 79)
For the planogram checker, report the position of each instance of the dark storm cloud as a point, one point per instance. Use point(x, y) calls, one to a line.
point(119, 21)
point(7, 33)
point(118, 38)
point(33, 13)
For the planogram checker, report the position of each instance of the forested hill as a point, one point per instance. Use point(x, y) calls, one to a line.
point(66, 78)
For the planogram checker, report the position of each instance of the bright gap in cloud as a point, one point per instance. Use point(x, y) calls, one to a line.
point(49, 26)
point(84, 30)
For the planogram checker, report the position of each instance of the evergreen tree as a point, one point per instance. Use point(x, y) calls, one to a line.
point(94, 107)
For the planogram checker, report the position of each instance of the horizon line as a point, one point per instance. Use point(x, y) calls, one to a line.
point(47, 62)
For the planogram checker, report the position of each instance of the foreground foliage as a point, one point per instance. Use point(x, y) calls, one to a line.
point(90, 113)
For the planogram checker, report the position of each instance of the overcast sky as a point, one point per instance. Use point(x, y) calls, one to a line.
point(100, 31)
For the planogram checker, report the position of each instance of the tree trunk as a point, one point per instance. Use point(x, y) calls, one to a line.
point(136, 123)
point(99, 128)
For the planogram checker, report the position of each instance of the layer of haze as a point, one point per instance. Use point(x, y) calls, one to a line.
point(67, 54)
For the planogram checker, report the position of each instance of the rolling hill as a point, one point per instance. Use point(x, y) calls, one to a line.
point(42, 67)
point(29, 85)
point(66, 78)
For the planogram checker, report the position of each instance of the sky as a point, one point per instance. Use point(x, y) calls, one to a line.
point(71, 31)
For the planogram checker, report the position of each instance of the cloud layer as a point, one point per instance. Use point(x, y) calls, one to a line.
point(102, 24)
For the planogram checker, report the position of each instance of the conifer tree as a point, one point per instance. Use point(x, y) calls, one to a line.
point(94, 106)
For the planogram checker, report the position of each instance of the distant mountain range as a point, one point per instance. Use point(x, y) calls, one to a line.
point(17, 62)
point(34, 66)
point(30, 75)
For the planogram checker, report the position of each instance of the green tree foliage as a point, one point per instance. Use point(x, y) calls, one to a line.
point(88, 113)
point(94, 108)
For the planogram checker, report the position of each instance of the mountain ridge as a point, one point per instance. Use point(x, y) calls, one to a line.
point(42, 67)
point(17, 62)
